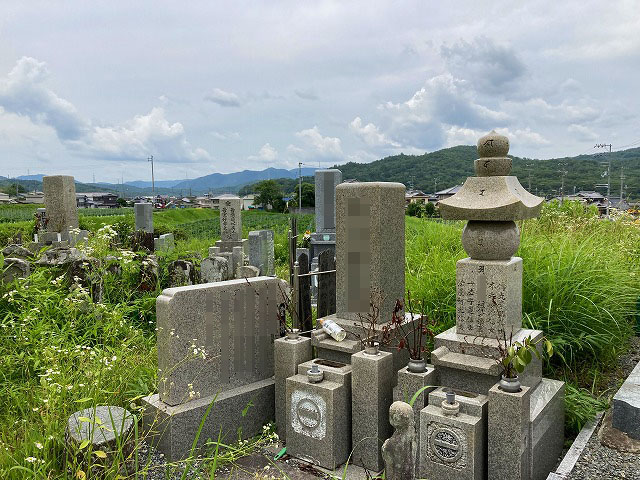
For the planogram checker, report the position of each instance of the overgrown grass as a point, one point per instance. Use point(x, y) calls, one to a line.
point(61, 352)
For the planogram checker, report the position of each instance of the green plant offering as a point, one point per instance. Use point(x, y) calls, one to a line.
point(515, 356)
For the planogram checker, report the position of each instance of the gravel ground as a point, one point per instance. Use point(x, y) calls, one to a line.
point(598, 461)
point(603, 463)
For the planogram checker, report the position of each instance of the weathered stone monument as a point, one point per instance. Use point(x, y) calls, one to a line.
point(214, 269)
point(525, 429)
point(60, 202)
point(215, 345)
point(230, 224)
point(59, 222)
point(143, 213)
point(261, 251)
point(164, 243)
point(399, 451)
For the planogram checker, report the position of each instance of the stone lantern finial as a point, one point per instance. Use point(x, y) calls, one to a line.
point(491, 201)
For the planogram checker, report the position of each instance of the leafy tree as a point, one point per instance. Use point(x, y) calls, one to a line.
point(308, 195)
point(121, 202)
point(415, 210)
point(268, 192)
point(430, 210)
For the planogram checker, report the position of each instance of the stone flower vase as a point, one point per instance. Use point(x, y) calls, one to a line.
point(372, 348)
point(417, 365)
point(510, 385)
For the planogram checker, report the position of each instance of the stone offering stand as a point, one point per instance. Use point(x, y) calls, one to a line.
point(218, 344)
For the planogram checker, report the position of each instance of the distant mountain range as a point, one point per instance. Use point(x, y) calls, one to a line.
point(214, 183)
point(445, 168)
point(428, 172)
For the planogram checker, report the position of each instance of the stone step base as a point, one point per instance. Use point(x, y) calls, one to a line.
point(172, 429)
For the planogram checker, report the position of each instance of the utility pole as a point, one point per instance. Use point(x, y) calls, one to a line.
point(622, 177)
point(153, 181)
point(563, 173)
point(299, 188)
point(604, 145)
point(435, 185)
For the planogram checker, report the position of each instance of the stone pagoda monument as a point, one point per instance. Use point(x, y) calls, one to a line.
point(516, 435)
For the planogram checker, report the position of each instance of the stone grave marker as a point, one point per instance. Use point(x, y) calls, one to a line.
point(60, 202)
point(143, 213)
point(230, 224)
point(326, 284)
point(214, 269)
point(304, 294)
point(215, 344)
point(261, 251)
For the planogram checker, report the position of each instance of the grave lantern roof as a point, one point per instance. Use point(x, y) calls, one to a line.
point(492, 195)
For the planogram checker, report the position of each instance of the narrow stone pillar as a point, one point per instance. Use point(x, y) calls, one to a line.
point(143, 213)
point(289, 353)
point(60, 202)
point(371, 397)
point(508, 439)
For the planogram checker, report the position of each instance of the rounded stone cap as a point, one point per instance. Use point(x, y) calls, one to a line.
point(490, 240)
point(100, 425)
point(400, 414)
point(493, 145)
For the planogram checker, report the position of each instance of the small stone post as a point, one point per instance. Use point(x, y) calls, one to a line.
point(509, 439)
point(289, 353)
point(371, 397)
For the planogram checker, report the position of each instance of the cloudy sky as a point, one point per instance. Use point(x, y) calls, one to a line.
point(93, 88)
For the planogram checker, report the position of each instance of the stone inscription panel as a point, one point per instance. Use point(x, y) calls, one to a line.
point(488, 297)
point(358, 254)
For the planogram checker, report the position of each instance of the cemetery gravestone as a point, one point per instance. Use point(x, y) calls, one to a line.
point(60, 202)
point(143, 216)
point(215, 343)
point(214, 269)
point(230, 224)
point(304, 294)
point(525, 441)
point(326, 284)
point(261, 251)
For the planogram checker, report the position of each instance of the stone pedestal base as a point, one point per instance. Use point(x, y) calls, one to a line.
point(509, 439)
point(371, 397)
point(328, 348)
point(451, 446)
point(173, 429)
point(227, 246)
point(319, 427)
point(288, 354)
point(466, 361)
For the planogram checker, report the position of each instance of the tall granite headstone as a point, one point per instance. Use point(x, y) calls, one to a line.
point(60, 202)
point(261, 251)
point(369, 247)
point(143, 212)
point(230, 224)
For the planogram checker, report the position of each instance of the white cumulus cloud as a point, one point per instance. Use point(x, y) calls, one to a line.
point(266, 154)
point(371, 134)
point(320, 145)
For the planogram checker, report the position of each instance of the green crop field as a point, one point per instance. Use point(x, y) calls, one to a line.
point(60, 351)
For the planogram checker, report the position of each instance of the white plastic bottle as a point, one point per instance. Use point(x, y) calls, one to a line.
point(332, 328)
